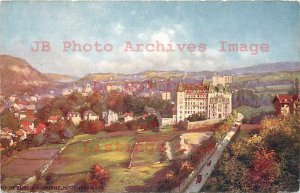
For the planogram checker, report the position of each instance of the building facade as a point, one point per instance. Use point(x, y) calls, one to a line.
point(214, 100)
point(286, 104)
point(219, 102)
point(223, 80)
point(191, 99)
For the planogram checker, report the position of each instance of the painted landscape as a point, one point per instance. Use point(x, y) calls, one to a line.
point(57, 136)
point(148, 122)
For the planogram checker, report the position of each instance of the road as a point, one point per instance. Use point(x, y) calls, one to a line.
point(206, 170)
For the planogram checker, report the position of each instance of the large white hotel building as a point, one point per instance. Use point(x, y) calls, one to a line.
point(213, 100)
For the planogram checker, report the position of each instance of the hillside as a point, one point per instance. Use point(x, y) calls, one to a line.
point(17, 76)
point(265, 68)
point(60, 77)
point(149, 75)
point(181, 75)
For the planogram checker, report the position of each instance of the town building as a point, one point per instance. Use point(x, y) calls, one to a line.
point(211, 100)
point(26, 124)
point(223, 80)
point(191, 99)
point(287, 104)
point(54, 119)
point(66, 92)
point(90, 115)
point(219, 102)
point(13, 98)
point(128, 117)
point(74, 117)
point(21, 134)
point(110, 117)
point(166, 96)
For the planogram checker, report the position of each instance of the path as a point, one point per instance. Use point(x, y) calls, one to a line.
point(206, 170)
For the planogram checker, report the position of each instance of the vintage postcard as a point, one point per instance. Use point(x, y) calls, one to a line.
point(149, 96)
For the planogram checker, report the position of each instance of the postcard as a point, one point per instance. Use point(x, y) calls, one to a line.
point(149, 96)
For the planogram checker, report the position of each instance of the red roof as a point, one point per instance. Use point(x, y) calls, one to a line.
point(128, 114)
point(193, 87)
point(39, 129)
point(23, 103)
point(41, 126)
point(286, 98)
point(89, 112)
point(25, 123)
point(30, 116)
point(27, 129)
point(20, 133)
point(53, 118)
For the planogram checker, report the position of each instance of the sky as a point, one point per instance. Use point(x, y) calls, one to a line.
point(273, 23)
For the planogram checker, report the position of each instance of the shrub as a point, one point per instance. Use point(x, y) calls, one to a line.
point(116, 127)
point(96, 181)
point(92, 127)
point(196, 117)
point(182, 125)
point(38, 140)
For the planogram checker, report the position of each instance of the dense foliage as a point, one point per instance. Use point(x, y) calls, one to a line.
point(196, 117)
point(180, 169)
point(266, 161)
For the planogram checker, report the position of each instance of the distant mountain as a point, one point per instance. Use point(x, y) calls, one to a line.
point(149, 75)
point(17, 76)
point(265, 68)
point(60, 77)
point(181, 75)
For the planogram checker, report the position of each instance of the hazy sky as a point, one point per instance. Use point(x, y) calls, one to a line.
point(274, 23)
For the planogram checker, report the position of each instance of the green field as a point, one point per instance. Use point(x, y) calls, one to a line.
point(146, 154)
point(79, 157)
point(268, 77)
point(250, 112)
point(273, 88)
point(82, 137)
point(113, 154)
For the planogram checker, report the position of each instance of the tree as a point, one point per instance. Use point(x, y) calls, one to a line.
point(68, 133)
point(58, 128)
point(116, 127)
point(95, 127)
point(264, 171)
point(196, 117)
point(5, 142)
point(115, 101)
point(182, 125)
point(152, 123)
point(8, 119)
point(53, 138)
point(38, 139)
point(98, 177)
point(92, 127)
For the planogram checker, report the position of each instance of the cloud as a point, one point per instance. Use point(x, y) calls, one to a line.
point(134, 62)
point(165, 35)
point(118, 29)
point(118, 61)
